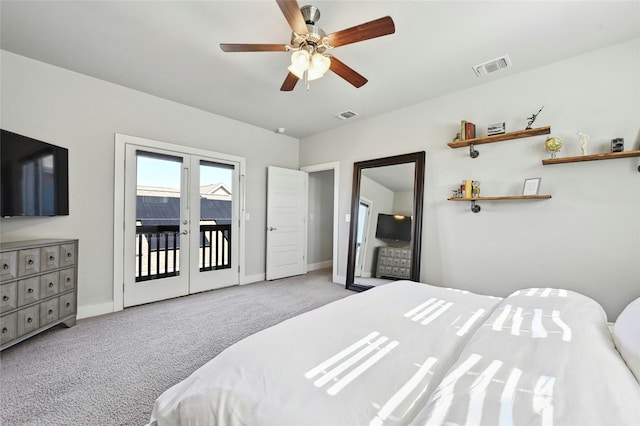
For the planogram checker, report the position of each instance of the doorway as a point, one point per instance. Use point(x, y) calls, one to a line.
point(181, 211)
point(322, 249)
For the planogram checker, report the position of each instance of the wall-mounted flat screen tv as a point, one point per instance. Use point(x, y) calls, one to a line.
point(393, 227)
point(34, 177)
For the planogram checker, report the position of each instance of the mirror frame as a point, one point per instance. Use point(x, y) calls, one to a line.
point(418, 158)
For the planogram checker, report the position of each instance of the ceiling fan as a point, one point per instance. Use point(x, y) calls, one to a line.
point(309, 44)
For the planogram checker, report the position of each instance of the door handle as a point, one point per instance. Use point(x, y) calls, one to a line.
point(272, 228)
point(185, 232)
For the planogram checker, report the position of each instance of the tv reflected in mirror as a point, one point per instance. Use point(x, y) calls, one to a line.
point(34, 177)
point(393, 227)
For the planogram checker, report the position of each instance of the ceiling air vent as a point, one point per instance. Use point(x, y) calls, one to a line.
point(492, 66)
point(346, 115)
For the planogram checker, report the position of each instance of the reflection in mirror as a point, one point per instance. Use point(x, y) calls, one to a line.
point(386, 221)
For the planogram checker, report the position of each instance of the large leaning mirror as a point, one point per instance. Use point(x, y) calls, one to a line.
point(386, 220)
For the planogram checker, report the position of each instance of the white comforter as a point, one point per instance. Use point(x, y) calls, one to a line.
point(544, 357)
point(371, 358)
point(413, 353)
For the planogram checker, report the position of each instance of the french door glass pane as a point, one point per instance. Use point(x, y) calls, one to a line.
point(158, 206)
point(215, 215)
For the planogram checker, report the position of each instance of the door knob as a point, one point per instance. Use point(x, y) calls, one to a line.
point(185, 232)
point(272, 228)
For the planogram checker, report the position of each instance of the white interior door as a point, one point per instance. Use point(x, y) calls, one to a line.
point(286, 222)
point(182, 220)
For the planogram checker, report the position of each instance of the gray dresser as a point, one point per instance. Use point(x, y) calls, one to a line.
point(37, 287)
point(393, 263)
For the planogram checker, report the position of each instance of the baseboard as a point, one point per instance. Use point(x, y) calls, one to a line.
point(319, 265)
point(94, 310)
point(248, 279)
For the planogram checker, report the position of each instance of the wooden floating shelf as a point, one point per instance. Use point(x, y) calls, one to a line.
point(505, 197)
point(476, 208)
point(592, 157)
point(502, 137)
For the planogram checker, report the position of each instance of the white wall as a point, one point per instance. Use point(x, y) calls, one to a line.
point(586, 238)
point(83, 114)
point(320, 220)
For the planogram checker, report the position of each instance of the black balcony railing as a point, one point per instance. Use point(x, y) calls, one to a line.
point(158, 250)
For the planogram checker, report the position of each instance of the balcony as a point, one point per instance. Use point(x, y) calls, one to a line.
point(158, 250)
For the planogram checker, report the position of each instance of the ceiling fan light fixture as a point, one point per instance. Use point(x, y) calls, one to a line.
point(300, 59)
point(321, 62)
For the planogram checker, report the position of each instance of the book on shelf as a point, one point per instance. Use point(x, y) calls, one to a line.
point(467, 130)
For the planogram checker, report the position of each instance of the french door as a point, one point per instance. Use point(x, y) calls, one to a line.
point(181, 224)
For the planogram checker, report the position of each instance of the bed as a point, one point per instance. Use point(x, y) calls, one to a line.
point(412, 353)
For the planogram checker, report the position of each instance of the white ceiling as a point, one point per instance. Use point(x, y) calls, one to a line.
point(170, 49)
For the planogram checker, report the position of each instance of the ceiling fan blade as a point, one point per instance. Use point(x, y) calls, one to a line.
point(347, 73)
point(291, 12)
point(239, 47)
point(379, 27)
point(289, 83)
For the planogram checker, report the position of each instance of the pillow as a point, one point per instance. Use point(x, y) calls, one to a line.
point(626, 335)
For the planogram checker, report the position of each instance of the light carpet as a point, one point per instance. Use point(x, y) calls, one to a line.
point(108, 370)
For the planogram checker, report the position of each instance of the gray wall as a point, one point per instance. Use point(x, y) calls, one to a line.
point(586, 238)
point(83, 114)
point(320, 220)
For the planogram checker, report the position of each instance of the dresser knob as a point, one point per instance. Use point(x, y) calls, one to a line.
point(30, 261)
point(68, 304)
point(5, 298)
point(5, 330)
point(50, 285)
point(69, 254)
point(29, 320)
point(68, 279)
point(52, 257)
point(50, 311)
point(30, 290)
point(5, 266)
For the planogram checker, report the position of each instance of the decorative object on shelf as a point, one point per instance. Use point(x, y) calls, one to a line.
point(496, 129)
point(617, 145)
point(456, 138)
point(531, 186)
point(553, 145)
point(584, 140)
point(457, 193)
point(475, 189)
point(532, 119)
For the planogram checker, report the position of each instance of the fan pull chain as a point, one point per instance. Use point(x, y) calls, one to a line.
point(306, 80)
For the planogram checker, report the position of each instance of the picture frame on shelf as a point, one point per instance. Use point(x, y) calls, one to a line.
point(531, 186)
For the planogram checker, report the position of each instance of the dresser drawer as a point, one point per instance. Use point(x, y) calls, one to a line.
point(49, 285)
point(67, 304)
point(28, 262)
point(49, 311)
point(28, 291)
point(28, 319)
point(8, 265)
point(8, 296)
point(67, 280)
point(49, 258)
point(8, 327)
point(67, 255)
